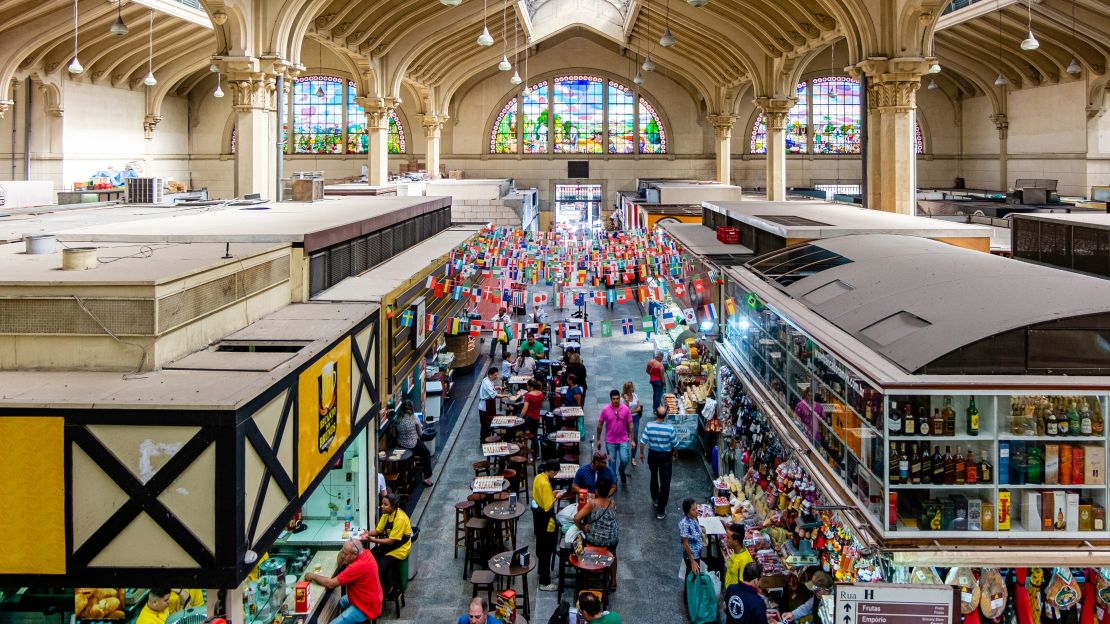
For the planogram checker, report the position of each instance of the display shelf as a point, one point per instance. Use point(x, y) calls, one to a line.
point(1058, 439)
point(931, 486)
point(1049, 486)
point(955, 438)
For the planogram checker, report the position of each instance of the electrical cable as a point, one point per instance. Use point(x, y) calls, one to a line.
point(142, 361)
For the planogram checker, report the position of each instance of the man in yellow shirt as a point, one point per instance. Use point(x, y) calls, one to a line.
point(543, 519)
point(157, 607)
point(394, 538)
point(734, 568)
point(185, 598)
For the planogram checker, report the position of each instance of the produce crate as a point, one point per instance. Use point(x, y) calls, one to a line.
point(728, 235)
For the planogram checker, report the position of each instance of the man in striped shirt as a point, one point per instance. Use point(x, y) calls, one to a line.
point(660, 440)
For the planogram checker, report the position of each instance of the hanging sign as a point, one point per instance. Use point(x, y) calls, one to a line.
point(886, 603)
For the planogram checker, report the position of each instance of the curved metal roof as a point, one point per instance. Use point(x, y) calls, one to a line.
point(914, 300)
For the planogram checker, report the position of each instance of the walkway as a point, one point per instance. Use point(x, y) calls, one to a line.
point(649, 587)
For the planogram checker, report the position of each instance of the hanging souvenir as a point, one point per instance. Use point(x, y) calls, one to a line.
point(992, 601)
point(1063, 590)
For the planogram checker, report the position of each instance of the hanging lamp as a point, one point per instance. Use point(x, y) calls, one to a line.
point(150, 81)
point(1030, 43)
point(527, 44)
point(219, 93)
point(697, 3)
point(667, 40)
point(1074, 68)
point(450, 3)
point(1001, 80)
point(75, 65)
point(515, 80)
point(934, 68)
point(485, 39)
point(649, 65)
point(119, 28)
point(932, 85)
point(504, 65)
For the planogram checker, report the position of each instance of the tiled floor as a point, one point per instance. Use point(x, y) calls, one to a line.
point(649, 587)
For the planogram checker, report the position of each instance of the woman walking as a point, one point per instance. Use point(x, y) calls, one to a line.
point(632, 402)
point(597, 520)
point(408, 429)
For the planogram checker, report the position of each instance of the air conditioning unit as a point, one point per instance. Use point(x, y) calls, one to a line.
point(144, 190)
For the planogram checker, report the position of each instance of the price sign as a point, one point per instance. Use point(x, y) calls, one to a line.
point(884, 603)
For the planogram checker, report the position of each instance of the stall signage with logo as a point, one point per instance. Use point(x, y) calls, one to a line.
point(885, 603)
point(323, 411)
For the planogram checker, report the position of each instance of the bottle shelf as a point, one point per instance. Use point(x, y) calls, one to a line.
point(930, 486)
point(1049, 486)
point(955, 438)
point(1060, 439)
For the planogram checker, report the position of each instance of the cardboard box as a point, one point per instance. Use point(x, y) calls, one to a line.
point(947, 513)
point(1051, 464)
point(1005, 511)
point(988, 516)
point(1078, 465)
point(931, 517)
point(1094, 465)
point(1071, 513)
point(959, 520)
point(1003, 463)
point(974, 514)
point(1086, 517)
point(1046, 513)
point(1060, 510)
point(1098, 513)
point(1065, 464)
point(1031, 518)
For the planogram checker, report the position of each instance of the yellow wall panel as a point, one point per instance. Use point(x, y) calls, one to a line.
point(32, 486)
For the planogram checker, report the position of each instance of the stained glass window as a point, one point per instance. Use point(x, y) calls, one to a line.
point(577, 112)
point(358, 141)
point(797, 121)
point(836, 115)
point(919, 141)
point(534, 116)
point(503, 138)
point(318, 121)
point(621, 118)
point(395, 135)
point(653, 138)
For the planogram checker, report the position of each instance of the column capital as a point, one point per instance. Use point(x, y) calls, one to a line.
point(1002, 123)
point(149, 123)
point(253, 91)
point(433, 124)
point(775, 111)
point(892, 83)
point(5, 106)
point(722, 125)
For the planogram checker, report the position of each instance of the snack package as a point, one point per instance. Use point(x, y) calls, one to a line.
point(925, 575)
point(1102, 587)
point(964, 578)
point(1063, 590)
point(992, 601)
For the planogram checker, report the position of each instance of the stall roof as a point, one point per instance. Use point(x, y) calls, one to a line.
point(54, 219)
point(386, 277)
point(817, 219)
point(913, 300)
point(314, 225)
point(701, 240)
point(206, 380)
point(1097, 220)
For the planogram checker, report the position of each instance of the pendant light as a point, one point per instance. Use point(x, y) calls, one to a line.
point(934, 68)
point(1030, 43)
point(150, 81)
point(75, 65)
point(667, 40)
point(320, 63)
point(219, 93)
point(450, 3)
point(119, 28)
point(527, 44)
point(1074, 68)
point(515, 80)
point(697, 3)
point(649, 65)
point(504, 65)
point(485, 39)
point(1001, 80)
point(638, 78)
point(932, 85)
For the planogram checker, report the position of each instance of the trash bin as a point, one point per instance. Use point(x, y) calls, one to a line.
point(413, 549)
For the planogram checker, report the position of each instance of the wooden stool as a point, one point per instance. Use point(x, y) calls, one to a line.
point(481, 468)
point(519, 463)
point(500, 496)
point(463, 511)
point(483, 580)
point(510, 476)
point(476, 551)
point(493, 439)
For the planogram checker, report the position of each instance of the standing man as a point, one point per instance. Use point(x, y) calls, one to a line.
point(503, 335)
point(743, 604)
point(616, 421)
point(363, 601)
point(487, 400)
point(660, 440)
point(543, 520)
point(655, 373)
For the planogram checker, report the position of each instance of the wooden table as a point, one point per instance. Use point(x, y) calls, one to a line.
point(489, 485)
point(566, 472)
point(399, 460)
point(503, 565)
point(595, 562)
point(500, 449)
point(501, 512)
point(572, 436)
point(506, 422)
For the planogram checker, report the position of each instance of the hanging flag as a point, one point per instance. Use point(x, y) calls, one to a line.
point(587, 330)
point(430, 323)
point(388, 311)
point(539, 298)
point(679, 289)
point(691, 318)
point(610, 295)
point(606, 329)
point(437, 289)
point(649, 324)
point(475, 329)
point(431, 282)
point(710, 311)
point(476, 294)
point(730, 306)
point(668, 320)
point(642, 291)
point(627, 327)
point(699, 285)
point(624, 295)
point(456, 327)
point(406, 318)
point(560, 299)
point(561, 329)
point(599, 297)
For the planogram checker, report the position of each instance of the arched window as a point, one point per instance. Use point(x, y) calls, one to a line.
point(318, 115)
point(395, 141)
point(358, 141)
point(578, 114)
point(828, 110)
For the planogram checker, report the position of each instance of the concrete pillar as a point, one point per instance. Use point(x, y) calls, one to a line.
point(377, 130)
point(775, 112)
point(254, 100)
point(891, 138)
point(722, 131)
point(433, 128)
point(1002, 122)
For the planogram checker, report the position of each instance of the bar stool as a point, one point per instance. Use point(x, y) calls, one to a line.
point(519, 463)
point(464, 511)
point(476, 551)
point(481, 468)
point(527, 442)
point(510, 475)
point(493, 439)
point(483, 580)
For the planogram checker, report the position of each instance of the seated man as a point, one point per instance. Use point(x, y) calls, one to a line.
point(585, 480)
point(363, 601)
point(157, 607)
point(589, 605)
point(478, 613)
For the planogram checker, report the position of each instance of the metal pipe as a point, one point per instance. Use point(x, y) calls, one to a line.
point(26, 129)
point(13, 139)
point(279, 148)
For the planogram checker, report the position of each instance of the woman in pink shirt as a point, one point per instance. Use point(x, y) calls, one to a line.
point(616, 421)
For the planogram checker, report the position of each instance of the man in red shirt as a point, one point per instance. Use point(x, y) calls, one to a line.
point(363, 601)
point(655, 371)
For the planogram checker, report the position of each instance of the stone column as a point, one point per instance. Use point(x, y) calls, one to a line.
point(5, 106)
point(1002, 122)
point(254, 100)
point(433, 127)
point(891, 139)
point(722, 131)
point(377, 130)
point(775, 112)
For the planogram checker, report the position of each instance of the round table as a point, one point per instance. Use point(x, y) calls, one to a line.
point(595, 562)
point(503, 565)
point(511, 449)
point(516, 423)
point(394, 455)
point(402, 459)
point(500, 512)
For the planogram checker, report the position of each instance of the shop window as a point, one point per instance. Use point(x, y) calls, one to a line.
point(578, 114)
point(318, 115)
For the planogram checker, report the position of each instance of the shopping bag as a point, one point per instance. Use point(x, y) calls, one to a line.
point(701, 599)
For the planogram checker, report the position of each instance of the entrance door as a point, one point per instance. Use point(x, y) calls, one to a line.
point(577, 206)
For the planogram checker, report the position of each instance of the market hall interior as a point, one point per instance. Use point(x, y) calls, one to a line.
point(254, 255)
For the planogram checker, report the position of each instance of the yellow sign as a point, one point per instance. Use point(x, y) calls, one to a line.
point(32, 487)
point(323, 411)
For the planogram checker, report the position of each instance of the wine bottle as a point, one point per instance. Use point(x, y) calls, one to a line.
point(1051, 427)
point(915, 466)
point(903, 466)
point(909, 423)
point(949, 467)
point(972, 418)
point(938, 422)
point(938, 466)
point(949, 417)
point(986, 470)
point(1062, 423)
point(923, 422)
point(972, 468)
point(1085, 419)
point(894, 460)
point(895, 420)
point(1098, 425)
point(961, 466)
point(1074, 422)
point(926, 464)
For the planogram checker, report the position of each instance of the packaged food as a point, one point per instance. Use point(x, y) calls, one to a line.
point(992, 600)
point(1102, 587)
point(964, 579)
point(925, 575)
point(1062, 591)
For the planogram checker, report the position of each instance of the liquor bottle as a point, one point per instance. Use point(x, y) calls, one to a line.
point(949, 467)
point(938, 466)
point(894, 459)
point(915, 466)
point(1017, 411)
point(972, 418)
point(972, 468)
point(1063, 425)
point(909, 423)
point(903, 466)
point(926, 464)
point(1051, 427)
point(923, 422)
point(1034, 464)
point(1039, 418)
point(1074, 422)
point(895, 420)
point(1098, 425)
point(938, 422)
point(986, 470)
point(961, 466)
point(949, 417)
point(1085, 427)
point(1030, 419)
